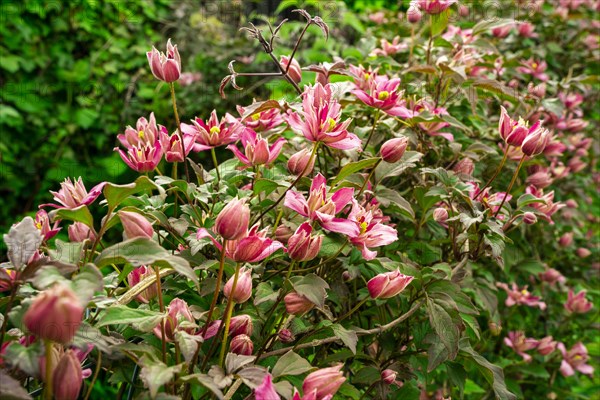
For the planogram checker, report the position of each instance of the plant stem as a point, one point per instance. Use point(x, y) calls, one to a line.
point(504, 158)
point(13, 293)
point(48, 387)
point(161, 305)
point(179, 132)
point(375, 121)
point(512, 182)
point(359, 305)
point(362, 189)
point(217, 287)
point(95, 377)
point(272, 206)
point(228, 312)
point(430, 39)
point(215, 163)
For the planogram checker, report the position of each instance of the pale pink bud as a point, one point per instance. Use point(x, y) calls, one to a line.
point(135, 225)
point(232, 222)
point(566, 239)
point(136, 276)
point(502, 31)
point(529, 218)
point(294, 71)
point(546, 345)
point(241, 325)
point(177, 312)
point(571, 203)
point(325, 382)
point(283, 233)
point(536, 140)
point(302, 246)
point(388, 284)
point(537, 90)
point(299, 163)
point(67, 377)
point(463, 10)
point(165, 66)
point(465, 166)
point(440, 215)
point(582, 252)
point(286, 336)
point(388, 376)
point(551, 276)
point(241, 344)
point(243, 287)
point(79, 232)
point(413, 14)
point(55, 314)
point(297, 304)
point(577, 303)
point(393, 150)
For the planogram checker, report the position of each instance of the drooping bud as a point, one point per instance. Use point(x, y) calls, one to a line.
point(389, 284)
point(241, 344)
point(529, 218)
point(67, 377)
point(243, 287)
point(286, 336)
point(135, 225)
point(299, 163)
point(325, 382)
point(297, 304)
point(393, 150)
point(232, 222)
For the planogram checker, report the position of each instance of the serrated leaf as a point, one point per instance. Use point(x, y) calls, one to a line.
point(290, 364)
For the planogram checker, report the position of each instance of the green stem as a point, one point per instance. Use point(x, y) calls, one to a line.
point(217, 287)
point(228, 312)
point(215, 163)
point(362, 189)
point(349, 313)
point(495, 173)
point(48, 387)
point(512, 182)
point(375, 121)
point(161, 305)
point(179, 132)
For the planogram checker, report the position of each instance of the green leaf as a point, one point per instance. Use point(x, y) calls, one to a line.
point(444, 326)
point(11, 389)
point(26, 358)
point(188, 344)
point(349, 337)
point(142, 251)
point(67, 252)
point(144, 320)
point(205, 381)
point(154, 374)
point(489, 24)
point(80, 214)
point(266, 186)
point(354, 167)
point(87, 282)
point(437, 353)
point(439, 22)
point(388, 197)
point(290, 364)
point(115, 194)
point(528, 199)
point(312, 287)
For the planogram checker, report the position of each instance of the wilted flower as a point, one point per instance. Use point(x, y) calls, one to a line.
point(371, 232)
point(294, 71)
point(325, 382)
point(302, 246)
point(213, 133)
point(520, 344)
point(177, 313)
point(241, 344)
point(577, 303)
point(256, 149)
point(388, 284)
point(383, 93)
point(575, 360)
point(55, 314)
point(73, 194)
point(521, 296)
point(319, 120)
point(393, 150)
point(67, 377)
point(135, 225)
point(136, 276)
point(546, 345)
point(243, 287)
point(232, 222)
point(165, 67)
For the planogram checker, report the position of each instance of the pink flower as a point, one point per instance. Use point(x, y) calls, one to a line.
point(577, 303)
point(7, 279)
point(294, 71)
point(521, 296)
point(534, 68)
point(393, 150)
point(571, 100)
point(301, 162)
point(136, 276)
point(79, 232)
point(440, 215)
point(146, 132)
point(575, 360)
point(513, 132)
point(582, 252)
point(536, 140)
point(319, 120)
point(187, 78)
point(232, 222)
point(252, 247)
point(526, 30)
point(566, 239)
point(266, 390)
point(539, 177)
point(433, 128)
point(256, 149)
point(135, 225)
point(371, 232)
point(378, 17)
point(73, 194)
point(42, 222)
point(413, 14)
point(262, 121)
point(546, 345)
point(323, 207)
point(172, 146)
point(388, 284)
point(389, 49)
point(243, 287)
point(165, 67)
point(142, 158)
point(363, 77)
point(383, 94)
point(325, 382)
point(465, 166)
point(302, 246)
point(549, 207)
point(435, 6)
point(502, 31)
point(213, 133)
point(177, 313)
point(241, 344)
point(67, 377)
point(520, 344)
point(297, 304)
point(552, 276)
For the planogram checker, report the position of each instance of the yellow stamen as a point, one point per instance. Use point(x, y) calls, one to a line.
point(534, 65)
point(141, 134)
point(524, 292)
point(38, 225)
point(383, 95)
point(363, 227)
point(215, 130)
point(367, 76)
point(256, 117)
point(331, 122)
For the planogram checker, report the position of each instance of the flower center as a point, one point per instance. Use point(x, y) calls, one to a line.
point(363, 227)
point(38, 225)
point(256, 117)
point(534, 65)
point(215, 130)
point(367, 76)
point(383, 95)
point(331, 122)
point(141, 134)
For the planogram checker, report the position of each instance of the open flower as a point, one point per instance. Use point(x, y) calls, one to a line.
point(521, 296)
point(389, 49)
point(42, 222)
point(262, 121)
point(434, 128)
point(145, 132)
point(575, 360)
point(520, 344)
point(323, 207)
point(319, 120)
point(383, 94)
point(577, 303)
point(549, 207)
point(73, 194)
point(371, 232)
point(534, 68)
point(256, 149)
point(142, 158)
point(435, 6)
point(546, 345)
point(172, 146)
point(213, 133)
point(165, 66)
point(177, 313)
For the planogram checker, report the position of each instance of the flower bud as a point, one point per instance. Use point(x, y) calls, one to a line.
point(577, 303)
point(388, 376)
point(546, 345)
point(177, 312)
point(346, 276)
point(286, 336)
point(536, 140)
point(55, 314)
point(299, 163)
point(440, 215)
point(67, 377)
point(165, 67)
point(55, 358)
point(566, 239)
point(302, 246)
point(495, 328)
point(135, 225)
point(241, 344)
point(529, 218)
point(463, 10)
point(136, 276)
point(389, 284)
point(413, 14)
point(79, 232)
point(325, 382)
point(297, 304)
point(465, 166)
point(294, 71)
point(243, 287)
point(582, 252)
point(571, 203)
point(241, 325)
point(393, 150)
point(283, 233)
point(538, 91)
point(232, 222)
